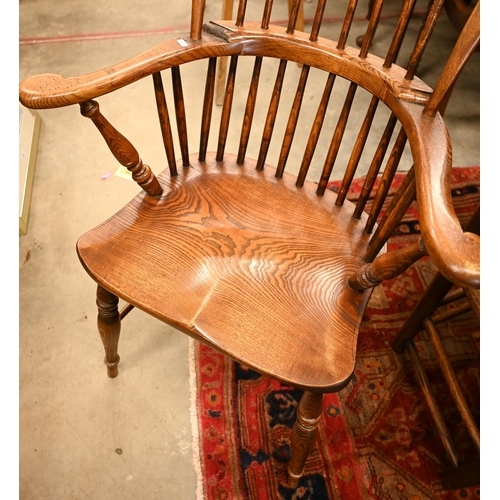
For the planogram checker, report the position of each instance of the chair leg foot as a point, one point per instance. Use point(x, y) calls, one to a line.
point(108, 323)
point(304, 434)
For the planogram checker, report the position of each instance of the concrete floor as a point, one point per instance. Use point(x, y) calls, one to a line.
point(83, 435)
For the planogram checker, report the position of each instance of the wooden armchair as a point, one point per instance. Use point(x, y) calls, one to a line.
point(258, 258)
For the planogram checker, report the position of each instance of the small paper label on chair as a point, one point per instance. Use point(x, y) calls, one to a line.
point(182, 42)
point(124, 173)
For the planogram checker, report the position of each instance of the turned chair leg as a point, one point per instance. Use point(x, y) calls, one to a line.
point(108, 323)
point(304, 434)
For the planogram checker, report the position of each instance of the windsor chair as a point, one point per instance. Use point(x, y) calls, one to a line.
point(255, 257)
point(426, 317)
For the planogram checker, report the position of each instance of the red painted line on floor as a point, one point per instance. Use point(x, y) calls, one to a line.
point(100, 36)
point(159, 31)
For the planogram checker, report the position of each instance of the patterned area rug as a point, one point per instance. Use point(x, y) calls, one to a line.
point(377, 439)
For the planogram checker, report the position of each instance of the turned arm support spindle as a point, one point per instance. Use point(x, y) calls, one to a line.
point(122, 149)
point(387, 266)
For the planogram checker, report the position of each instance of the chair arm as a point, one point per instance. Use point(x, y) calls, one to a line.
point(455, 252)
point(51, 90)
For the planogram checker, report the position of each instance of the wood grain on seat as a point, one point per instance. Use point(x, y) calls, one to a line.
point(250, 263)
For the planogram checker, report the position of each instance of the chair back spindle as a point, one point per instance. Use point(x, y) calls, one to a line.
point(249, 111)
point(399, 33)
point(386, 180)
point(166, 129)
point(315, 130)
point(226, 108)
point(403, 20)
point(336, 139)
point(372, 27)
point(346, 26)
point(180, 114)
point(292, 20)
point(318, 18)
point(375, 166)
point(357, 152)
point(208, 101)
point(266, 15)
point(399, 205)
point(271, 115)
point(425, 35)
point(240, 16)
point(292, 121)
point(197, 11)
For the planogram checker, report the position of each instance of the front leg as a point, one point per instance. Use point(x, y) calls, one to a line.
point(304, 434)
point(108, 323)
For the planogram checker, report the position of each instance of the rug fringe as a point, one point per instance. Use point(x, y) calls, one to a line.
point(193, 410)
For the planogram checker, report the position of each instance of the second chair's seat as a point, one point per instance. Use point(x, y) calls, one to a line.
point(256, 279)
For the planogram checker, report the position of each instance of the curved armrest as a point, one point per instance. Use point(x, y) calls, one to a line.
point(54, 91)
point(455, 252)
